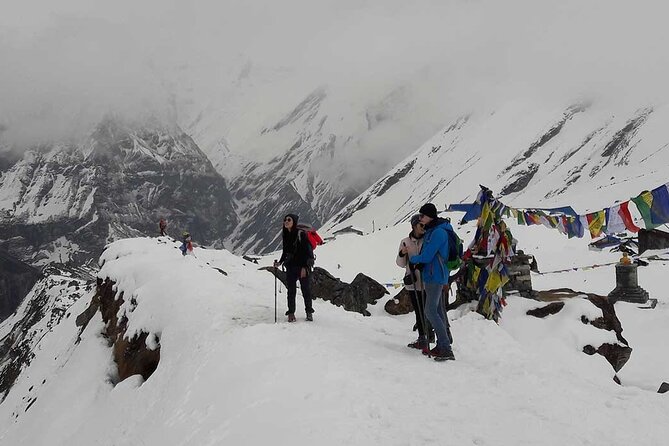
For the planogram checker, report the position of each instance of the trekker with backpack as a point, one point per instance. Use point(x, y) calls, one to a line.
point(435, 274)
point(298, 258)
point(186, 243)
point(410, 246)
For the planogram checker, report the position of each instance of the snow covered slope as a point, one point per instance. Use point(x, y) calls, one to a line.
point(586, 155)
point(228, 374)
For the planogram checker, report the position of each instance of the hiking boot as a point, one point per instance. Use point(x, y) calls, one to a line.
point(444, 355)
point(418, 344)
point(427, 352)
point(310, 317)
point(438, 352)
point(291, 318)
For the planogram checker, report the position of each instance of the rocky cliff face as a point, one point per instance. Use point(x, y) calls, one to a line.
point(41, 311)
point(64, 203)
point(16, 280)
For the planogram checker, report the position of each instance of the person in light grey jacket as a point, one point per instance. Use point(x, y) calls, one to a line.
point(410, 246)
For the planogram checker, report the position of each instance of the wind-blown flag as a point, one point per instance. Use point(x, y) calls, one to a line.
point(521, 218)
point(596, 223)
point(614, 221)
point(643, 203)
point(494, 281)
point(659, 210)
point(487, 217)
point(482, 280)
point(578, 227)
point(532, 218)
point(618, 219)
point(573, 226)
point(583, 223)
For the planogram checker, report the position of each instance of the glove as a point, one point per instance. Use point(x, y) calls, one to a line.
point(310, 263)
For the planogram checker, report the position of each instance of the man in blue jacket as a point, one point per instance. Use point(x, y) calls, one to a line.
point(435, 274)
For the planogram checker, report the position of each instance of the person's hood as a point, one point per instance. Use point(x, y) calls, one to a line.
point(295, 218)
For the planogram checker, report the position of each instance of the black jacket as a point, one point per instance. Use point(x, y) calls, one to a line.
point(297, 251)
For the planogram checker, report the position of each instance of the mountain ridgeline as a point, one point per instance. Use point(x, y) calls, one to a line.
point(64, 202)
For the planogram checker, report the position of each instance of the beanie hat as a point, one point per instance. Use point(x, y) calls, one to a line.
point(414, 220)
point(293, 217)
point(428, 209)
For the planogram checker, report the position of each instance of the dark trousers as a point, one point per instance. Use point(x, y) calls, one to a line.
point(292, 276)
point(419, 310)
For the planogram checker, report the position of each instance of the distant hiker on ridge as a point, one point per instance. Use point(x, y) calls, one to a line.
point(186, 243)
point(298, 258)
point(410, 246)
point(163, 227)
point(435, 275)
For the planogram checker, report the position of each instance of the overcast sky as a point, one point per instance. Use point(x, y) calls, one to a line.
point(65, 62)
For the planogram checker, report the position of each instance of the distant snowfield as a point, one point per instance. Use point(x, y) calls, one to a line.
point(229, 375)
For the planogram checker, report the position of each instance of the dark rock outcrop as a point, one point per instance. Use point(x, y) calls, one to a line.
point(617, 355)
point(542, 312)
point(48, 303)
point(354, 296)
point(16, 280)
point(664, 388)
point(132, 355)
point(400, 304)
point(609, 320)
point(652, 239)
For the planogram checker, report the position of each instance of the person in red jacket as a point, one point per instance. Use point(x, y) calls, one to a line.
point(163, 227)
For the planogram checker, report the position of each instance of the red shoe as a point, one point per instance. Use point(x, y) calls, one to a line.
point(432, 352)
point(418, 344)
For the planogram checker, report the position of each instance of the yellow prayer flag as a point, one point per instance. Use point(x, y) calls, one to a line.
point(494, 281)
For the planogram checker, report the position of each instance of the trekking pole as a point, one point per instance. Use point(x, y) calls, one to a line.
point(420, 309)
point(275, 281)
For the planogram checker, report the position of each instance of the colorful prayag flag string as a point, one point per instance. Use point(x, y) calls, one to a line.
point(653, 206)
point(487, 256)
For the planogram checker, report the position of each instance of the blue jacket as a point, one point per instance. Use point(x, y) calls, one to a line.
point(435, 241)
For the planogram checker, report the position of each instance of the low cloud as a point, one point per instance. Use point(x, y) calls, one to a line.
point(66, 64)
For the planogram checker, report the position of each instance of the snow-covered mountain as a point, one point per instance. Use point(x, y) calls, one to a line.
point(308, 149)
point(587, 155)
point(193, 338)
point(64, 202)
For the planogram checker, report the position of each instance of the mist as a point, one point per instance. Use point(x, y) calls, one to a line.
point(65, 65)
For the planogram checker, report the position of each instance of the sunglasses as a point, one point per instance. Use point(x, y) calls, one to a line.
point(287, 219)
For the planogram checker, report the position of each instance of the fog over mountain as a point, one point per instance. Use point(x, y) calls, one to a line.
point(66, 64)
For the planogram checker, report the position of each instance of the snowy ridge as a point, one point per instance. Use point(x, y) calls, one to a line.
point(582, 155)
point(227, 373)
